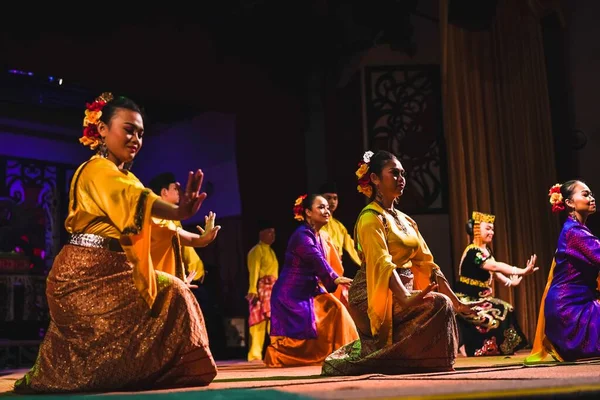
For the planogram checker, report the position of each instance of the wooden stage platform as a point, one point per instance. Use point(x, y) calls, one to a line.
point(474, 378)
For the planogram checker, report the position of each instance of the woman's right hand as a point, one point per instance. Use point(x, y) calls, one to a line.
point(342, 280)
point(188, 280)
point(190, 200)
point(417, 298)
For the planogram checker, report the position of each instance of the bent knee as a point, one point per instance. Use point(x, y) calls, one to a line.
point(442, 301)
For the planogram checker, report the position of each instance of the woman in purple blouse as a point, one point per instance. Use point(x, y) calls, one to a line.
point(307, 322)
point(569, 322)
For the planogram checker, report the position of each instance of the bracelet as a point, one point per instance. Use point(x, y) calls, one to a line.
point(509, 284)
point(514, 270)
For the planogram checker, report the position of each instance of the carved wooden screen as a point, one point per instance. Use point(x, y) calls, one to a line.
point(404, 116)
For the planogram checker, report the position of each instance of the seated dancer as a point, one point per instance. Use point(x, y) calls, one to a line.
point(569, 322)
point(307, 322)
point(116, 322)
point(494, 330)
point(402, 330)
point(172, 247)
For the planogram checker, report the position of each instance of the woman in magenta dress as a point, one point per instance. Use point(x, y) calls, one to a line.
point(307, 322)
point(569, 322)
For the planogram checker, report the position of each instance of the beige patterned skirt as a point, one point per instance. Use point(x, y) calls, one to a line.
point(424, 338)
point(103, 336)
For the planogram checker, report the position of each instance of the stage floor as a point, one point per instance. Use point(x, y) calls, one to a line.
point(474, 378)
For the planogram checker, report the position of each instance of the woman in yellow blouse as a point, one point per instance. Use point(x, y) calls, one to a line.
point(403, 325)
point(116, 323)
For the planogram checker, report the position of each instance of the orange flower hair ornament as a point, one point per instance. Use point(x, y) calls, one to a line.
point(556, 199)
point(362, 173)
point(298, 209)
point(93, 112)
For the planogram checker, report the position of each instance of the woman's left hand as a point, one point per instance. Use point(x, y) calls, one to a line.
point(210, 232)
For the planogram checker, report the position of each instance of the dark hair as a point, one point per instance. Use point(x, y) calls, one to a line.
point(308, 202)
point(470, 226)
point(265, 223)
point(376, 164)
point(566, 190)
point(162, 181)
point(110, 108)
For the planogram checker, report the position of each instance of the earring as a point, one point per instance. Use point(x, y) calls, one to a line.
point(103, 150)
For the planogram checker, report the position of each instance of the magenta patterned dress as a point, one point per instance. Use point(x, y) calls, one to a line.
point(292, 308)
point(572, 306)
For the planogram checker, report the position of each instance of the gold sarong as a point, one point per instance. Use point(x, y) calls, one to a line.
point(104, 337)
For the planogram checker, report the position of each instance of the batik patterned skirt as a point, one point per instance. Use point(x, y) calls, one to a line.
point(104, 337)
point(424, 337)
point(493, 330)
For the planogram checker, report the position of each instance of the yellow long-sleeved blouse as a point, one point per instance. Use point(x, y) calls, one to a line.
point(166, 247)
point(113, 203)
point(168, 255)
point(383, 249)
point(341, 239)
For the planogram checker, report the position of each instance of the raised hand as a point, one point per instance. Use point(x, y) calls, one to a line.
point(515, 280)
point(190, 200)
point(210, 229)
point(209, 233)
point(209, 223)
point(531, 268)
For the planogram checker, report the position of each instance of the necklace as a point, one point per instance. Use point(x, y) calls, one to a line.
point(396, 218)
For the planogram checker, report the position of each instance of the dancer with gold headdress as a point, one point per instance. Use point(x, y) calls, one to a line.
point(307, 322)
point(494, 329)
point(116, 322)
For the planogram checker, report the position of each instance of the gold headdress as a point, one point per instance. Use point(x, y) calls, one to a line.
point(482, 217)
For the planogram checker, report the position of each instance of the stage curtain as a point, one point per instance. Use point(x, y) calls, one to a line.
point(500, 147)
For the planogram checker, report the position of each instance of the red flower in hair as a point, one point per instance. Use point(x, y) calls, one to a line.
point(556, 199)
point(91, 131)
point(362, 173)
point(93, 112)
point(298, 209)
point(95, 106)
